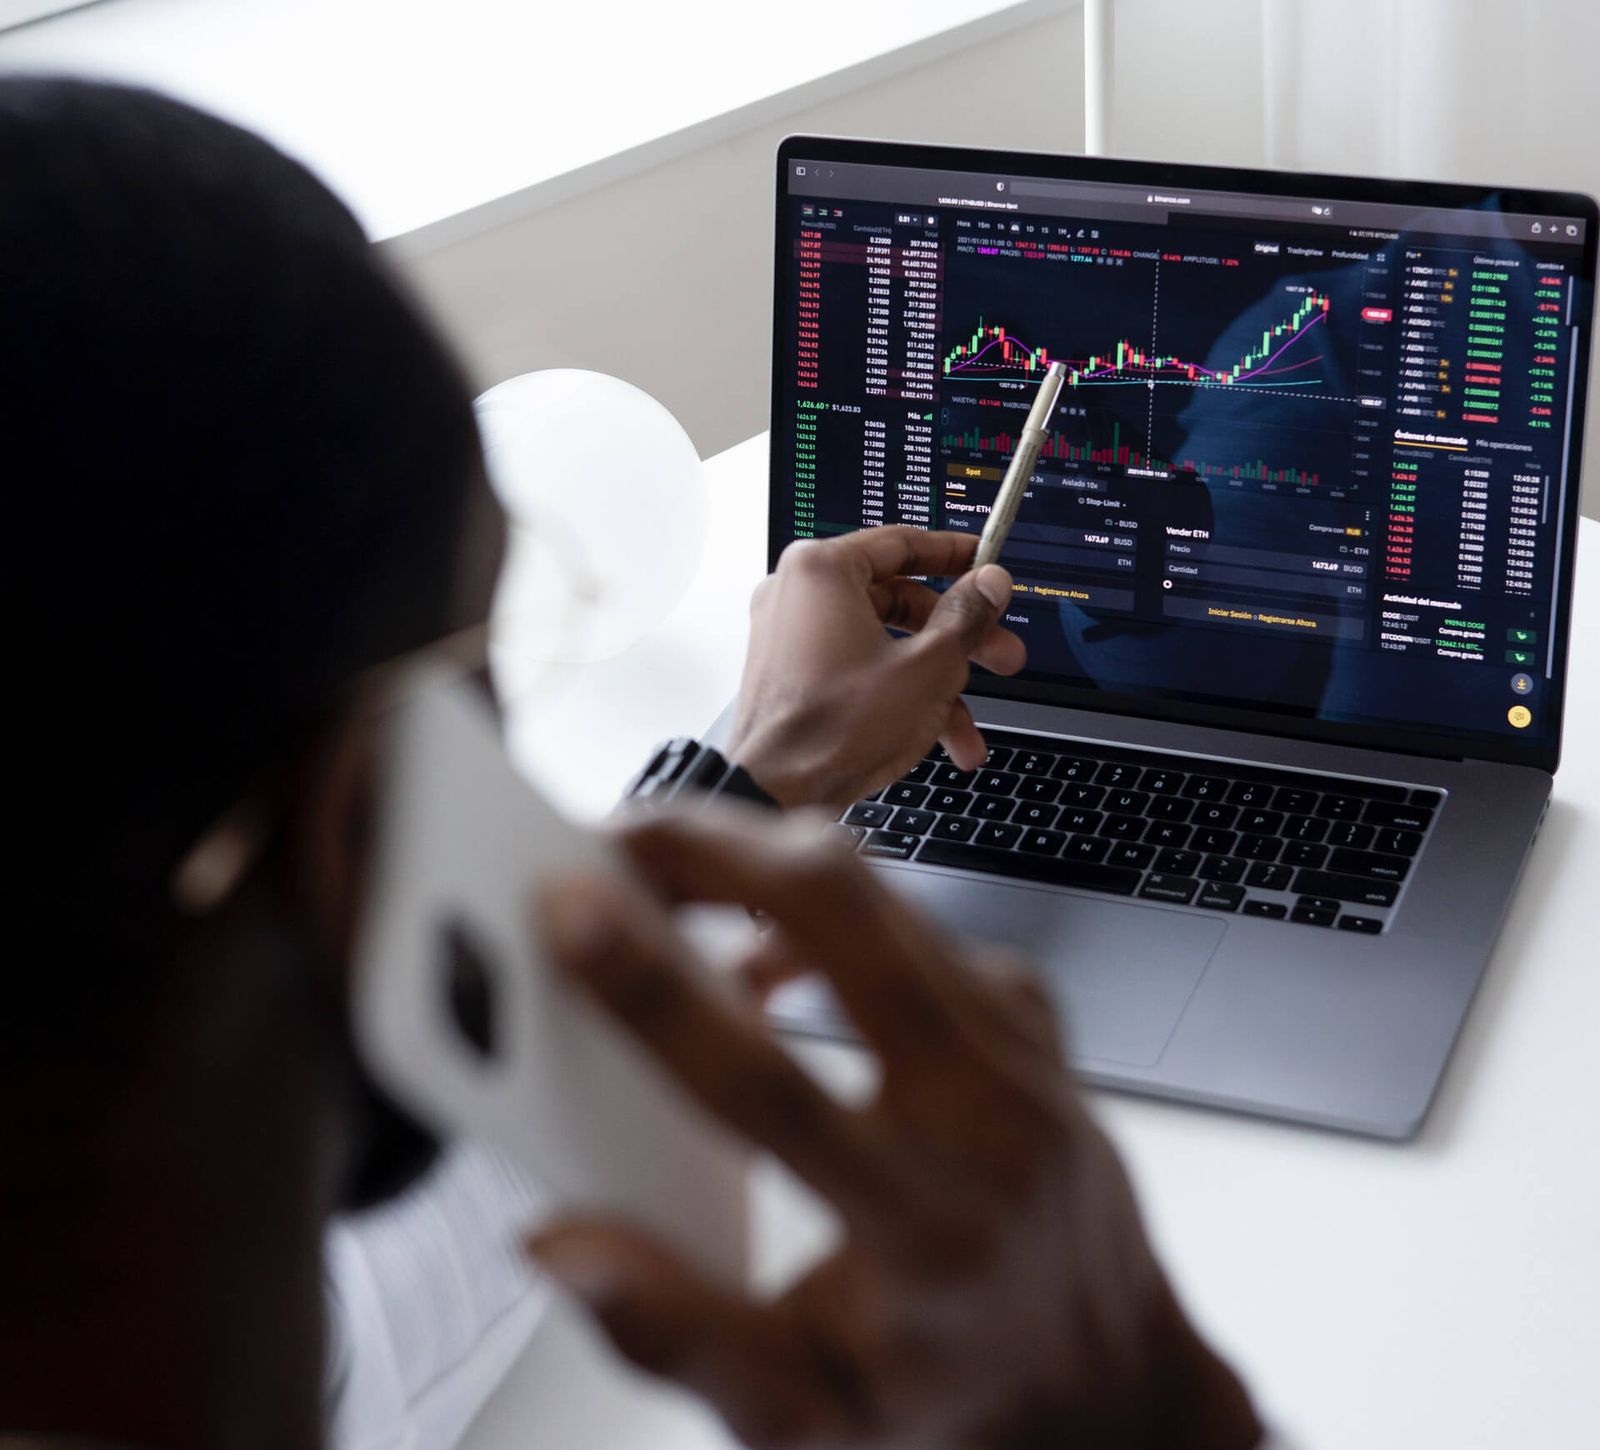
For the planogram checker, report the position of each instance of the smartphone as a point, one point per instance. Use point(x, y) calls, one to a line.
point(460, 1016)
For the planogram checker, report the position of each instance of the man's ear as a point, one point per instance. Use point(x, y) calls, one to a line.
point(331, 846)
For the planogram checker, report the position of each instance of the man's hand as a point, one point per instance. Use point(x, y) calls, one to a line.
point(830, 707)
point(994, 1289)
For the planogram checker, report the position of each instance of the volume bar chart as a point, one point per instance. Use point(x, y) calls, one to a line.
point(1058, 446)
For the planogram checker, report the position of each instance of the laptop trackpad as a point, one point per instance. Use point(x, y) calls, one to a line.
point(1122, 973)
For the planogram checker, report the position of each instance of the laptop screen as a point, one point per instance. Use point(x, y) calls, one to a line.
point(1315, 465)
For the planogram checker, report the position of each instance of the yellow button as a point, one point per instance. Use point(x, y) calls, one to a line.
point(1520, 716)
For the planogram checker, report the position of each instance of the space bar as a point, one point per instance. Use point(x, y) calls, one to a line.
point(1019, 865)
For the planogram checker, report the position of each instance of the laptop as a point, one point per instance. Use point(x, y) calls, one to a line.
point(1294, 573)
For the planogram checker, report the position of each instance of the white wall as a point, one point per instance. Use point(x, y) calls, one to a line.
point(688, 317)
point(1452, 89)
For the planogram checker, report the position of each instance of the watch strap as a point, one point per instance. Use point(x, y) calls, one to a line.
point(686, 767)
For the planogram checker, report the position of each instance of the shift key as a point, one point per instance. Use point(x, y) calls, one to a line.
point(1363, 889)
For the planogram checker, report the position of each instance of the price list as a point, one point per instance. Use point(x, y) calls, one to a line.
point(866, 322)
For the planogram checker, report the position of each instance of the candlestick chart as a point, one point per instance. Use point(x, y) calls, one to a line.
point(1237, 377)
point(991, 355)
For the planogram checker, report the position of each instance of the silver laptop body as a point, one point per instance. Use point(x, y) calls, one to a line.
point(1295, 576)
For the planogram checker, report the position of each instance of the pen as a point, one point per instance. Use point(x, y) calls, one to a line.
point(1020, 469)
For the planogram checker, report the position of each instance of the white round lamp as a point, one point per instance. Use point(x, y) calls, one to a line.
point(606, 507)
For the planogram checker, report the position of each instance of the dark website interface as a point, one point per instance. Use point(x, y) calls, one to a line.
point(1303, 461)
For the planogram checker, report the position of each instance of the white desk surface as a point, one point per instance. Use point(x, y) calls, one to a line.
point(1441, 1295)
point(419, 113)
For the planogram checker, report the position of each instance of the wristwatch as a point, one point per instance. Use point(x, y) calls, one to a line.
point(686, 767)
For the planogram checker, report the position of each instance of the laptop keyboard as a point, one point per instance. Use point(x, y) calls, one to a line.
point(1322, 851)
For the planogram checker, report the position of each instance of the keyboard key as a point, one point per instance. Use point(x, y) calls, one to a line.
point(1070, 767)
point(1398, 843)
point(1084, 822)
point(1162, 782)
point(996, 782)
point(1117, 775)
point(1215, 843)
point(1127, 802)
point(1222, 868)
point(1258, 848)
point(1319, 903)
point(1159, 887)
point(1274, 909)
point(1213, 813)
point(1087, 796)
point(949, 776)
point(1178, 863)
point(1269, 877)
point(1430, 799)
point(1165, 833)
point(1042, 843)
point(950, 802)
point(1123, 828)
point(895, 845)
point(1206, 788)
point(993, 833)
point(1088, 848)
point(1032, 762)
point(902, 794)
point(1034, 815)
point(1305, 828)
point(1306, 916)
point(1351, 833)
point(1342, 807)
point(1370, 925)
point(1304, 853)
point(1039, 789)
point(1219, 897)
point(955, 828)
point(1260, 823)
point(991, 807)
point(1129, 853)
point(998, 758)
point(868, 813)
point(1367, 863)
point(1406, 818)
point(912, 822)
point(1295, 802)
point(1362, 890)
point(850, 835)
point(1249, 793)
point(1170, 808)
point(1021, 865)
point(920, 771)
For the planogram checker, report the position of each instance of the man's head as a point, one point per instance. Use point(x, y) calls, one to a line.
point(238, 470)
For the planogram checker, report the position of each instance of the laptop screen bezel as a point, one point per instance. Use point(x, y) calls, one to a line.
point(1044, 690)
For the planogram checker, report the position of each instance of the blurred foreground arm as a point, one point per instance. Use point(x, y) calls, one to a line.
point(994, 1289)
point(830, 707)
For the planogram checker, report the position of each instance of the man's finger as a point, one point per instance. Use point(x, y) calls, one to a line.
point(774, 963)
point(884, 961)
point(748, 1361)
point(962, 739)
point(626, 952)
point(964, 617)
point(907, 605)
point(882, 553)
